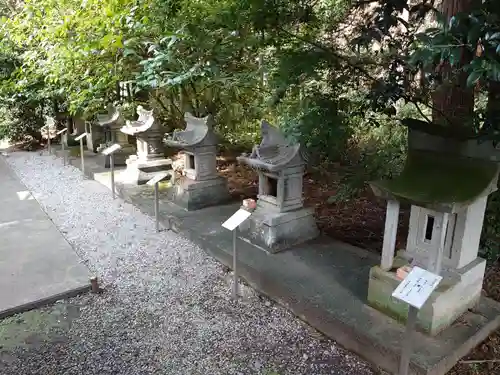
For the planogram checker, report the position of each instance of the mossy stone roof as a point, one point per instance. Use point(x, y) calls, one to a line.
point(432, 178)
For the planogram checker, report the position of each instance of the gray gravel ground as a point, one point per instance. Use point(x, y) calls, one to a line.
point(167, 306)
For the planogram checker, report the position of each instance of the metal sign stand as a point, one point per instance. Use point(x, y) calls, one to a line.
point(232, 224)
point(154, 182)
point(416, 294)
point(80, 138)
point(62, 133)
point(415, 290)
point(110, 151)
point(48, 140)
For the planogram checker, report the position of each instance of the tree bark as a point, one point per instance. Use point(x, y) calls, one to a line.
point(453, 100)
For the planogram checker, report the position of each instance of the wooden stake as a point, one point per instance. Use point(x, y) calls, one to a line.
point(94, 285)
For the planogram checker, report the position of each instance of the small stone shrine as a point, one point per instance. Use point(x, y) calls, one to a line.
point(150, 157)
point(111, 124)
point(94, 137)
point(447, 184)
point(200, 185)
point(49, 129)
point(280, 219)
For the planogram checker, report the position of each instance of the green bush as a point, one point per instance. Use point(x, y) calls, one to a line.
point(320, 123)
point(374, 152)
point(20, 126)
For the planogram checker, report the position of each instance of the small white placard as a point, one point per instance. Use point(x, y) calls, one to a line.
point(111, 149)
point(80, 137)
point(62, 131)
point(417, 287)
point(157, 178)
point(238, 217)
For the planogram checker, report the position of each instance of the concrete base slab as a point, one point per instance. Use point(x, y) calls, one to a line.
point(194, 195)
point(325, 283)
point(37, 264)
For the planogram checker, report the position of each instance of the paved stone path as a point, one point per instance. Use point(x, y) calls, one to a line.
point(37, 264)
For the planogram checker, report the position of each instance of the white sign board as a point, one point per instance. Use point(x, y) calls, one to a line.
point(61, 131)
point(157, 178)
point(80, 137)
point(417, 287)
point(238, 217)
point(111, 149)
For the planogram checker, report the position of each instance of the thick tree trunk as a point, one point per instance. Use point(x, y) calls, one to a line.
point(453, 100)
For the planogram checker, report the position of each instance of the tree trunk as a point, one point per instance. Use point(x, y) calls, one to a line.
point(453, 101)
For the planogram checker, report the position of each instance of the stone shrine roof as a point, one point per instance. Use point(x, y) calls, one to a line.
point(439, 181)
point(143, 123)
point(198, 131)
point(274, 153)
point(111, 117)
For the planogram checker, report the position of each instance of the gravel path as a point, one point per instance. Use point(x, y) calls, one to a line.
point(166, 308)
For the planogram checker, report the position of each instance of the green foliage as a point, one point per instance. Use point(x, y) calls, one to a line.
point(490, 240)
point(375, 152)
point(320, 123)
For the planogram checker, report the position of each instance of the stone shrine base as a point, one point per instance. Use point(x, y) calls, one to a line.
point(324, 282)
point(194, 195)
point(139, 172)
point(448, 302)
point(277, 231)
point(105, 160)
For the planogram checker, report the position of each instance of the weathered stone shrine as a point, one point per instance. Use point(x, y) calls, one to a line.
point(49, 129)
point(111, 124)
point(280, 219)
point(200, 185)
point(94, 137)
point(150, 157)
point(447, 184)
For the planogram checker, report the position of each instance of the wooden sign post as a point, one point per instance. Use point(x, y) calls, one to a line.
point(232, 224)
point(154, 182)
point(110, 152)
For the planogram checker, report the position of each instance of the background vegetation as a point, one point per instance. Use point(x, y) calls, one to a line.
point(337, 75)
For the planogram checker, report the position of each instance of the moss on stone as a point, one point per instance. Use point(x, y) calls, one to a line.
point(430, 177)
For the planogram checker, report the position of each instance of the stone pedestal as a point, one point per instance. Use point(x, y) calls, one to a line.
point(150, 158)
point(277, 231)
point(200, 185)
point(138, 171)
point(280, 220)
point(194, 195)
point(456, 294)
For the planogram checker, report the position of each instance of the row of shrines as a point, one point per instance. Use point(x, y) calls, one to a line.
point(446, 182)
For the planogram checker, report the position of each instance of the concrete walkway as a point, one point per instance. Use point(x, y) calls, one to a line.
point(37, 265)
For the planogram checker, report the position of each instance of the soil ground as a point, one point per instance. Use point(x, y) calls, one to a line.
point(360, 222)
